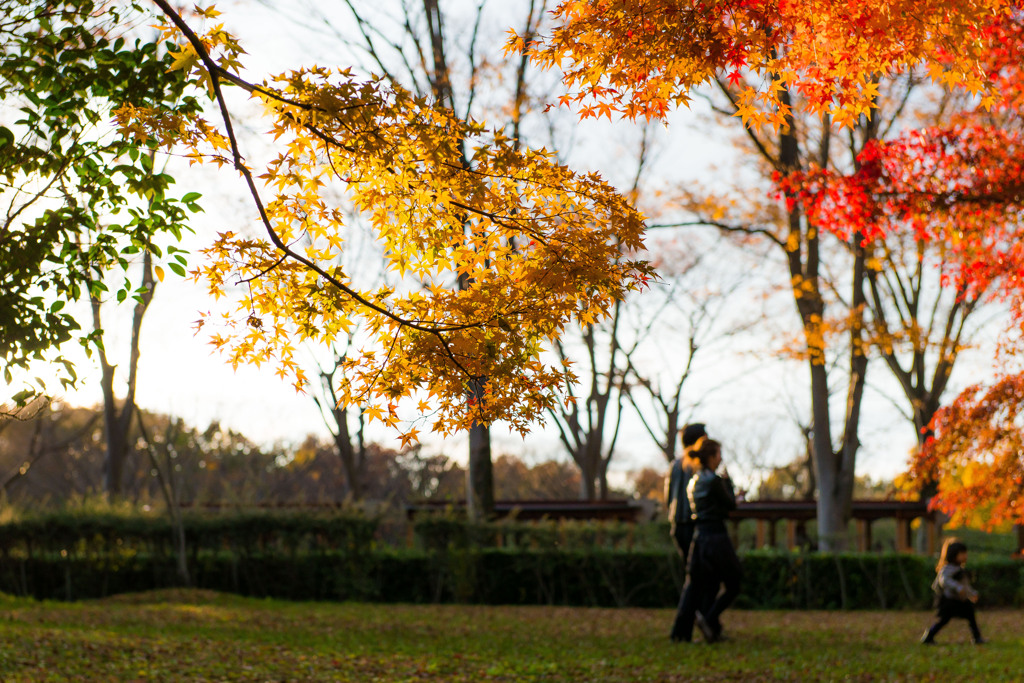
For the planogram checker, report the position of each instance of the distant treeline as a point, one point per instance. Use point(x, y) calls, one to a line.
point(58, 457)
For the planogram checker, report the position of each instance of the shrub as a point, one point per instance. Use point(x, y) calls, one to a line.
point(335, 556)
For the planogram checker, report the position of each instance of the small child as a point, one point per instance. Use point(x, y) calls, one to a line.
point(956, 596)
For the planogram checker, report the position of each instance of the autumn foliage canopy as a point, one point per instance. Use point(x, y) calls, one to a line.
point(494, 253)
point(959, 184)
point(489, 256)
point(640, 57)
point(976, 461)
point(960, 187)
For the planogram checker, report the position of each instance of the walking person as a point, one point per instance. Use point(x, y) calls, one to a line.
point(713, 560)
point(956, 596)
point(682, 469)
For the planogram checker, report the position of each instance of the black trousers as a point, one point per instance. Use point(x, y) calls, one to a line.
point(951, 608)
point(713, 563)
point(682, 534)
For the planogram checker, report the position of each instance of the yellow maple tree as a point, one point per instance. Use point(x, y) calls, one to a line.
point(536, 246)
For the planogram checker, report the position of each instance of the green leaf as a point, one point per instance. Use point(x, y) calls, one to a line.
point(21, 398)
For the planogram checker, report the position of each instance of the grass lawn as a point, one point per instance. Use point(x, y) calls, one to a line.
point(199, 636)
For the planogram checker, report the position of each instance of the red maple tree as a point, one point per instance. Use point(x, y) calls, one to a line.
point(961, 184)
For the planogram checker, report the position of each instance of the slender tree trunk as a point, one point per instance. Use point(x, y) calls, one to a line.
point(602, 480)
point(172, 498)
point(117, 422)
point(857, 382)
point(480, 468)
point(835, 469)
point(353, 456)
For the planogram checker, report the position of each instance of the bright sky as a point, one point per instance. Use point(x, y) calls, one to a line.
point(179, 373)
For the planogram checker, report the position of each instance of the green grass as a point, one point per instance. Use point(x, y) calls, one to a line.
point(200, 636)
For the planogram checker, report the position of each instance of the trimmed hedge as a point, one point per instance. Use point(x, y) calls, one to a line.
point(520, 577)
point(243, 532)
point(335, 556)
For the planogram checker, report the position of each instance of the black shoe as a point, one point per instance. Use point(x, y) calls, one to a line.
point(980, 641)
point(926, 639)
point(678, 639)
point(705, 628)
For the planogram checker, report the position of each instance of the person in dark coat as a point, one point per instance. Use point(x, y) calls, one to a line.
point(683, 467)
point(713, 560)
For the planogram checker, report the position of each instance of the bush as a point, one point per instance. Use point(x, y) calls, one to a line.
point(335, 556)
point(73, 534)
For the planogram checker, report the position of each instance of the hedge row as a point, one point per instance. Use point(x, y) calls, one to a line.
point(244, 532)
point(250, 532)
point(339, 555)
point(501, 576)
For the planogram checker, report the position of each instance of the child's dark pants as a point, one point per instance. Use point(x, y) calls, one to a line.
point(950, 608)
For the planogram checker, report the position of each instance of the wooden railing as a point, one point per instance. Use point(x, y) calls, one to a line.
point(794, 514)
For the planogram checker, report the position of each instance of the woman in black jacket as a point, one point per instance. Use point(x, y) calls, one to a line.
point(713, 560)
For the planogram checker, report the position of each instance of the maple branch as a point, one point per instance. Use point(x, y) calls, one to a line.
point(329, 140)
point(725, 227)
point(1010, 195)
point(898, 111)
point(499, 220)
point(216, 72)
point(259, 274)
point(376, 376)
point(762, 150)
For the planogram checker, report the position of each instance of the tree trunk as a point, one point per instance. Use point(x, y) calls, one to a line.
point(169, 490)
point(480, 475)
point(117, 423)
point(831, 522)
point(803, 252)
point(353, 457)
point(588, 478)
point(602, 480)
point(480, 469)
